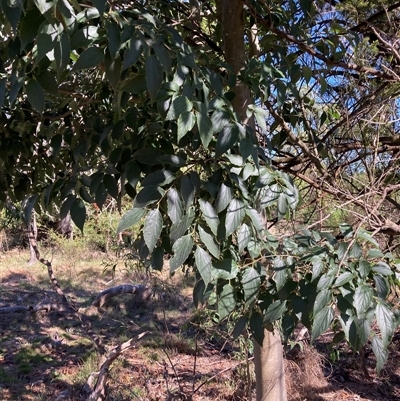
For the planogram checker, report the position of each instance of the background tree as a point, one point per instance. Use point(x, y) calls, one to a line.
point(203, 112)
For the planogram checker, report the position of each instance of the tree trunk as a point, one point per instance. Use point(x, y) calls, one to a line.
point(268, 358)
point(269, 368)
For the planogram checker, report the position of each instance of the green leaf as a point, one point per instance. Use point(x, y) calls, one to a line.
point(130, 218)
point(35, 95)
point(29, 26)
point(386, 322)
point(48, 82)
point(246, 147)
point(363, 297)
point(382, 268)
point(343, 279)
point(240, 325)
point(89, 58)
point(133, 53)
point(159, 177)
point(78, 213)
point(113, 37)
point(157, 258)
point(147, 196)
point(226, 139)
point(62, 52)
point(224, 197)
point(382, 286)
point(318, 267)
point(208, 241)
point(244, 236)
point(112, 68)
point(152, 229)
point(255, 219)
point(174, 160)
point(323, 298)
point(154, 76)
point(219, 119)
point(280, 275)
point(186, 122)
point(163, 55)
point(322, 321)
point(177, 230)
point(210, 216)
point(380, 352)
point(187, 191)
point(225, 269)
point(203, 264)
point(226, 301)
point(274, 311)
point(179, 105)
point(251, 284)
point(205, 129)
point(181, 248)
point(175, 208)
point(234, 216)
point(111, 185)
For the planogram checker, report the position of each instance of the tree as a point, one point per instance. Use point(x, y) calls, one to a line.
point(207, 114)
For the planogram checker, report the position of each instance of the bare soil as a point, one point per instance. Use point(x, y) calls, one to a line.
point(49, 356)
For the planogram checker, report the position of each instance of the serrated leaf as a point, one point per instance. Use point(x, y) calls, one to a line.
point(205, 127)
point(203, 264)
point(343, 279)
point(318, 267)
point(154, 76)
point(147, 196)
point(174, 203)
point(382, 268)
point(187, 191)
point(163, 55)
point(274, 311)
point(386, 322)
point(35, 95)
point(322, 299)
point(234, 216)
point(380, 352)
point(159, 178)
point(208, 241)
point(280, 275)
point(255, 219)
point(226, 139)
point(186, 122)
point(152, 229)
point(244, 236)
point(224, 197)
point(132, 54)
point(363, 297)
point(226, 301)
point(130, 218)
point(78, 213)
point(251, 284)
point(225, 269)
point(181, 248)
point(179, 105)
point(382, 286)
point(322, 321)
point(177, 230)
point(210, 216)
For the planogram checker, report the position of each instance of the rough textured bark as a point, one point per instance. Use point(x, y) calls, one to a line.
point(270, 378)
point(32, 236)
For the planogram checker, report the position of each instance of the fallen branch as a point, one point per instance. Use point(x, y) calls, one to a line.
point(118, 290)
point(98, 392)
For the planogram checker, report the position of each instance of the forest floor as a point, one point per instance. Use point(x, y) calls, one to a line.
point(183, 356)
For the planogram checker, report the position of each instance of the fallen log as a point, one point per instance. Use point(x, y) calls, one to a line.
point(105, 295)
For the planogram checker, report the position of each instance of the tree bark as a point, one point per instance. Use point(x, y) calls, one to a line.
point(268, 358)
point(32, 236)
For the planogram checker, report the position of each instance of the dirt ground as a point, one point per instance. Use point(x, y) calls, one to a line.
point(50, 356)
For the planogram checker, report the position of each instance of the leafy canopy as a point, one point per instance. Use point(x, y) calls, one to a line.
point(134, 98)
